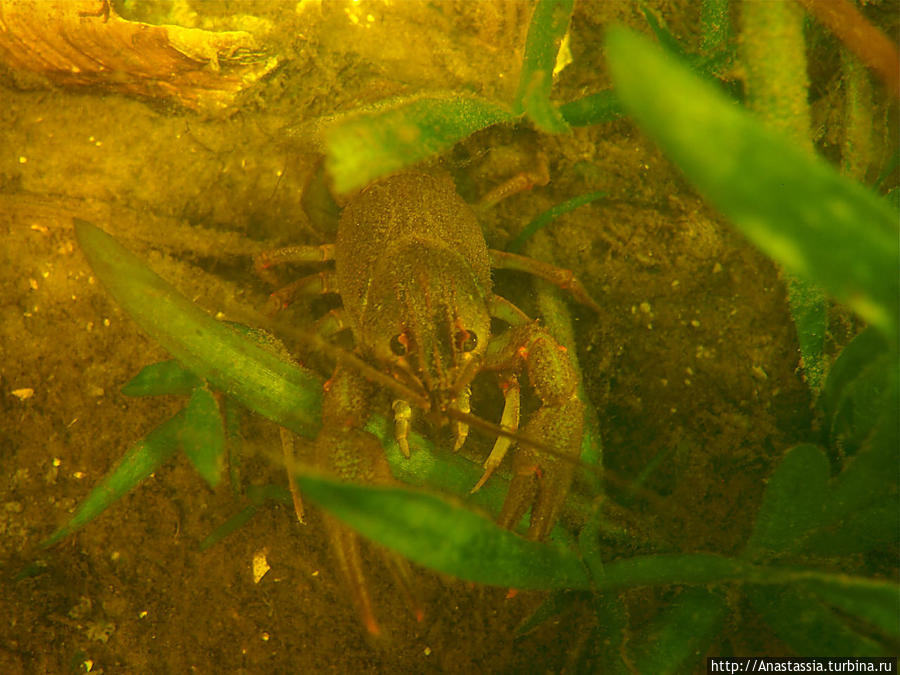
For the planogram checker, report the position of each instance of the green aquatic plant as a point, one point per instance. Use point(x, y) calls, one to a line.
point(824, 506)
point(393, 134)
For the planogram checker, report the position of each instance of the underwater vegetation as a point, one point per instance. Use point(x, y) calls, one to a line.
point(827, 505)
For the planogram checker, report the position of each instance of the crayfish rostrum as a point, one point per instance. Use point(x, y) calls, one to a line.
point(414, 274)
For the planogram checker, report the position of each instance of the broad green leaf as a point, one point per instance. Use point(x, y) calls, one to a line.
point(202, 436)
point(377, 141)
point(681, 634)
point(807, 626)
point(818, 224)
point(792, 503)
point(862, 406)
point(142, 459)
point(862, 350)
point(159, 379)
point(239, 366)
point(444, 537)
point(545, 33)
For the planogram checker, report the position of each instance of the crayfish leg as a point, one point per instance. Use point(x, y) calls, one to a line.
point(356, 455)
point(558, 276)
point(344, 449)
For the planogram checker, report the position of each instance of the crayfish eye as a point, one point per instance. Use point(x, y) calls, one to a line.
point(399, 344)
point(466, 340)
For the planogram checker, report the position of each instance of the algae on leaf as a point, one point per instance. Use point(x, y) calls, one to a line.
point(820, 225)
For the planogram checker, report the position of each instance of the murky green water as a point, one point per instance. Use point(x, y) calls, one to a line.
point(691, 363)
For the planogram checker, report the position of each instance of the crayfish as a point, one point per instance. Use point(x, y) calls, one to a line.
point(414, 275)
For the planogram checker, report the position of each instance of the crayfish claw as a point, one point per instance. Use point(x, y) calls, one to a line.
point(542, 482)
point(501, 446)
point(509, 420)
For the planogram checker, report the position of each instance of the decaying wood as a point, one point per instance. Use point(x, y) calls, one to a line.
point(85, 43)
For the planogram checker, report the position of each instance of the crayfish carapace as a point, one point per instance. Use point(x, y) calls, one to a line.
point(414, 274)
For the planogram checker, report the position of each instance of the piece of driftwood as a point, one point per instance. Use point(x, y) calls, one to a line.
point(85, 43)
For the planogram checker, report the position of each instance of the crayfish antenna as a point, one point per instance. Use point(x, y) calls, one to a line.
point(403, 576)
point(345, 544)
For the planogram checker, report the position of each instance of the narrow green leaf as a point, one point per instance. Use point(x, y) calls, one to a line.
point(231, 414)
point(548, 216)
point(553, 605)
point(663, 34)
point(807, 626)
point(873, 601)
point(230, 526)
point(820, 225)
point(545, 33)
point(867, 528)
point(610, 636)
point(596, 108)
point(809, 310)
point(445, 537)
point(141, 459)
point(446, 472)
point(792, 503)
point(241, 359)
point(239, 366)
point(589, 543)
point(680, 635)
point(686, 568)
point(715, 23)
point(375, 142)
point(202, 436)
point(258, 495)
point(159, 379)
